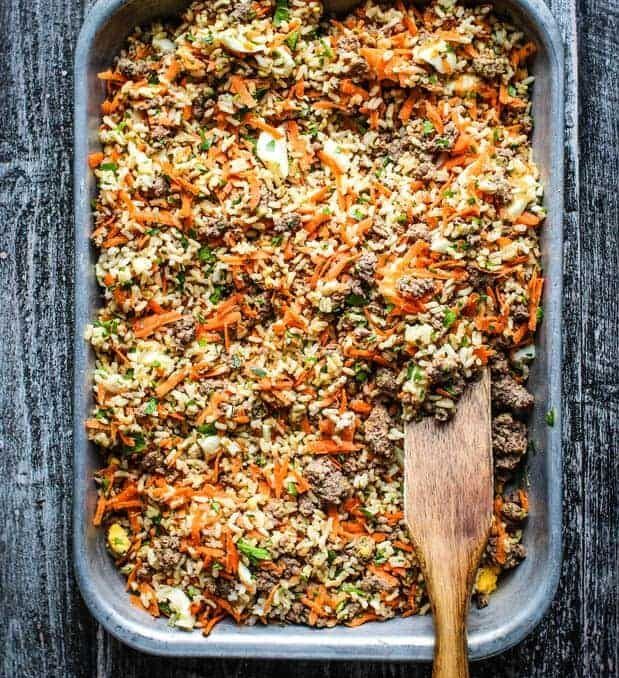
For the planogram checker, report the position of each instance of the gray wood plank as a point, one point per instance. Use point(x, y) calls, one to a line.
point(46, 630)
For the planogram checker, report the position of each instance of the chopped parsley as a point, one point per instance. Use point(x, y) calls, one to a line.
point(550, 417)
point(151, 406)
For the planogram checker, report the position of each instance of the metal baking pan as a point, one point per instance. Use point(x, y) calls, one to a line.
point(525, 593)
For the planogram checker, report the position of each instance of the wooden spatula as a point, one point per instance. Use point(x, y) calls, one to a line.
point(448, 494)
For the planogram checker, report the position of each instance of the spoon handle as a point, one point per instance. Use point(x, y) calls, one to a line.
point(450, 655)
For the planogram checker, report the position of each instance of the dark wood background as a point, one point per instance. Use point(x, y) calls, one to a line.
point(45, 629)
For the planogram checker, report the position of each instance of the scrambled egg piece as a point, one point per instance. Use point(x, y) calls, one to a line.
point(118, 539)
point(486, 580)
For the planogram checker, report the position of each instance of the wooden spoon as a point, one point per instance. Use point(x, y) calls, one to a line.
point(448, 495)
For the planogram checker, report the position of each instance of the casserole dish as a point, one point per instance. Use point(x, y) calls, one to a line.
point(523, 596)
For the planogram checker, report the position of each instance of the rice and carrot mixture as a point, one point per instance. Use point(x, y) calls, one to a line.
point(309, 230)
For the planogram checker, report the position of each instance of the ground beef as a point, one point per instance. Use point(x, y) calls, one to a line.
point(307, 506)
point(445, 141)
point(286, 223)
point(158, 189)
point(520, 312)
point(377, 427)
point(166, 552)
point(508, 394)
point(291, 567)
point(418, 231)
point(265, 581)
point(133, 69)
point(212, 228)
point(499, 365)
point(153, 461)
point(277, 509)
point(362, 547)
point(414, 288)
point(243, 11)
point(220, 587)
point(513, 512)
point(262, 305)
point(511, 116)
point(514, 553)
point(441, 371)
point(352, 65)
point(509, 442)
point(375, 584)
point(424, 170)
point(490, 66)
point(297, 613)
point(366, 267)
point(328, 483)
point(159, 132)
point(386, 382)
point(479, 280)
point(185, 331)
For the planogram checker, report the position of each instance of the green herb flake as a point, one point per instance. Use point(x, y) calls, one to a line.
point(151, 406)
point(291, 488)
point(207, 429)
point(252, 552)
point(550, 417)
point(282, 13)
point(192, 592)
point(449, 318)
point(217, 294)
point(292, 40)
point(414, 373)
point(428, 127)
point(356, 300)
point(351, 588)
point(207, 142)
point(259, 372)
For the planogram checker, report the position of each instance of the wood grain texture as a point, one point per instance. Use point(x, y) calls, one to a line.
point(448, 495)
point(46, 631)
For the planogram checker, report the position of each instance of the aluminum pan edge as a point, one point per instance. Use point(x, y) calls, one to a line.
point(397, 640)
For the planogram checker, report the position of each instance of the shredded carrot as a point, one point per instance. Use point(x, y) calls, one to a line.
point(239, 87)
point(362, 619)
point(328, 446)
point(528, 219)
point(434, 117)
point(173, 71)
point(209, 625)
point(360, 407)
point(144, 327)
point(535, 294)
point(172, 381)
point(95, 159)
point(407, 108)
point(257, 123)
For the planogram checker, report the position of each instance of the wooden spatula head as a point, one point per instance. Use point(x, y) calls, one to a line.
point(448, 496)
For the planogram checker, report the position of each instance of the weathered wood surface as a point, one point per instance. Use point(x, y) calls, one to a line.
point(46, 630)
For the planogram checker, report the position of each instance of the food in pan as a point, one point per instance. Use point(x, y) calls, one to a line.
point(309, 230)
